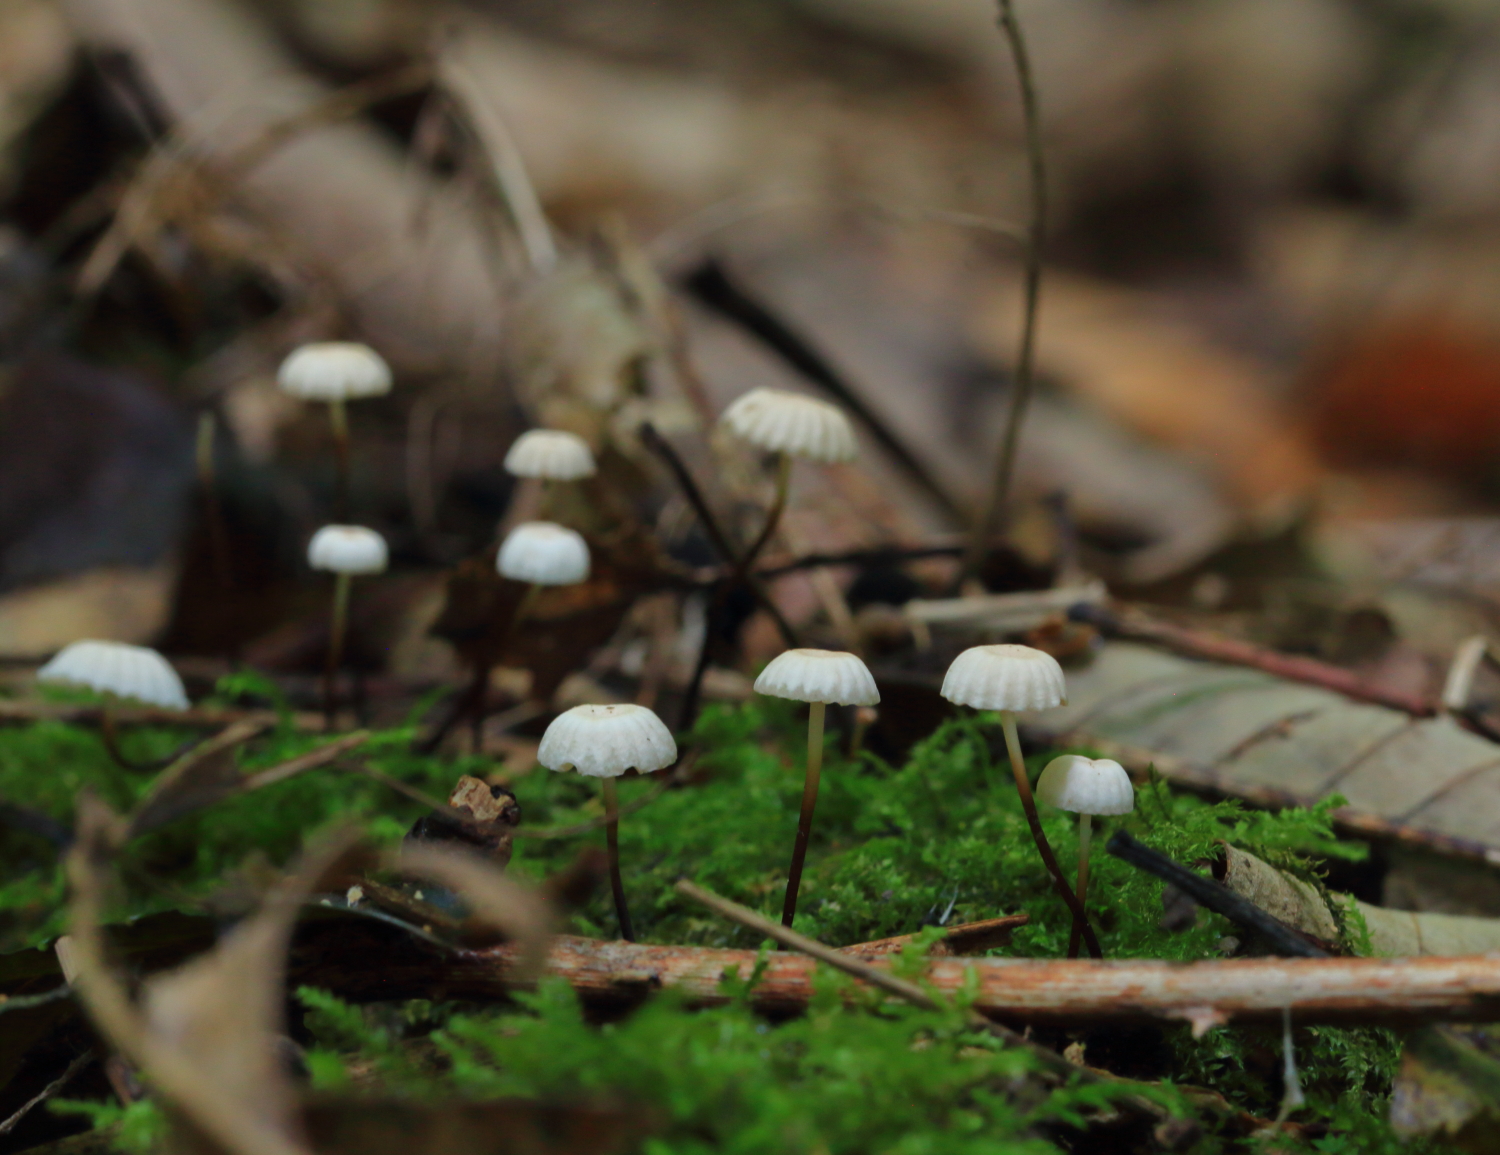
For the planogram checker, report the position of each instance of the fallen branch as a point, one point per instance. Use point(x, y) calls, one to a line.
point(968, 938)
point(1126, 622)
point(1061, 992)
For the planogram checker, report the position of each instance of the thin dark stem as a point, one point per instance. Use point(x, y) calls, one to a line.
point(213, 511)
point(111, 737)
point(815, 714)
point(1021, 386)
point(773, 515)
point(1085, 836)
point(337, 626)
point(694, 694)
point(1044, 848)
point(659, 445)
point(612, 842)
point(339, 419)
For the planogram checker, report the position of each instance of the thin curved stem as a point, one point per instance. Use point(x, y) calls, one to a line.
point(773, 515)
point(338, 624)
point(1085, 836)
point(612, 842)
point(815, 715)
point(1021, 386)
point(1044, 848)
point(338, 419)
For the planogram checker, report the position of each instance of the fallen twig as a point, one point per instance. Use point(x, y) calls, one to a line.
point(1061, 992)
point(1128, 622)
point(1218, 898)
point(966, 938)
point(51, 1089)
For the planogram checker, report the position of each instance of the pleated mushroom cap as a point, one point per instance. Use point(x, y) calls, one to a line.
point(1005, 677)
point(606, 741)
point(783, 422)
point(334, 371)
point(116, 668)
point(819, 676)
point(1086, 785)
point(350, 549)
point(544, 554)
point(550, 454)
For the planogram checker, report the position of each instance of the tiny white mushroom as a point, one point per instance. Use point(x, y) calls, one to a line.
point(119, 670)
point(789, 425)
point(550, 454)
point(544, 554)
point(335, 372)
point(603, 742)
point(1086, 787)
point(817, 677)
point(793, 424)
point(1008, 678)
point(344, 551)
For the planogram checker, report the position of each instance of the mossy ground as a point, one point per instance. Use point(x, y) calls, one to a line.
point(894, 849)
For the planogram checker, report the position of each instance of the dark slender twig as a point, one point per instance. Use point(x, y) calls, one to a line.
point(711, 285)
point(712, 618)
point(47, 1092)
point(659, 445)
point(1021, 385)
point(1284, 940)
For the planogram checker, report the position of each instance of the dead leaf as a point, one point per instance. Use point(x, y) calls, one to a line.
point(1447, 1088)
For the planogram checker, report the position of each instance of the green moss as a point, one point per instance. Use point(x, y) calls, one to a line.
point(894, 848)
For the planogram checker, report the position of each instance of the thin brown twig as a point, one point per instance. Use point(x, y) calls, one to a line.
point(51, 1089)
point(1021, 385)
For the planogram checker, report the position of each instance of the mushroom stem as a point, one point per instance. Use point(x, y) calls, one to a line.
point(338, 418)
point(1044, 848)
point(1085, 836)
point(815, 715)
point(773, 515)
point(110, 733)
point(479, 694)
point(612, 841)
point(213, 511)
point(337, 626)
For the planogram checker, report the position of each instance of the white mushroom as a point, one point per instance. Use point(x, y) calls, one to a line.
point(1086, 787)
point(603, 742)
point(550, 454)
point(816, 677)
point(334, 372)
point(1008, 678)
point(344, 551)
point(119, 670)
point(790, 425)
point(793, 424)
point(544, 554)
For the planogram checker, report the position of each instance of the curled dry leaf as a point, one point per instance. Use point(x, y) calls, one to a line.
point(205, 1034)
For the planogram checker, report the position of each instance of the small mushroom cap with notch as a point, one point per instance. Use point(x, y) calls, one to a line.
point(1086, 785)
point(334, 371)
point(551, 454)
point(125, 671)
point(606, 741)
point(545, 554)
point(830, 676)
point(780, 421)
point(1005, 677)
point(350, 549)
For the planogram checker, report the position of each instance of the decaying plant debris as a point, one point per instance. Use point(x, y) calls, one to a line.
point(1125, 342)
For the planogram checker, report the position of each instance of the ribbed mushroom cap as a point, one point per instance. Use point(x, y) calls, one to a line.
point(1005, 678)
point(550, 453)
point(351, 549)
point(544, 554)
point(334, 371)
point(119, 669)
point(819, 676)
point(606, 741)
point(791, 423)
point(1086, 785)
